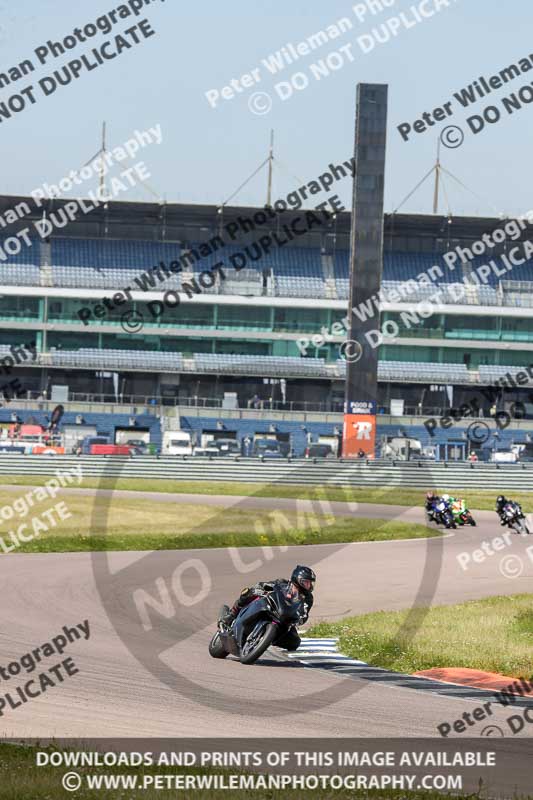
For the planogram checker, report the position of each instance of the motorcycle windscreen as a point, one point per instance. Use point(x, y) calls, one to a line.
point(287, 603)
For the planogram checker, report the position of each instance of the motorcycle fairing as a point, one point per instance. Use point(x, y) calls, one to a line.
point(247, 618)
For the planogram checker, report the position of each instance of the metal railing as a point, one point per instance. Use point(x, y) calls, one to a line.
point(156, 404)
point(394, 474)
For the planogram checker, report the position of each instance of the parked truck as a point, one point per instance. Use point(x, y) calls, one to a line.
point(177, 443)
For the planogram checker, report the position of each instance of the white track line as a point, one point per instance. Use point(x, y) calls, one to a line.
point(321, 651)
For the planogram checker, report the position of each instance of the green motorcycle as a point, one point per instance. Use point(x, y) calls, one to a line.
point(461, 513)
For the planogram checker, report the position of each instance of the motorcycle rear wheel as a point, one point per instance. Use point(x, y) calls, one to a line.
point(216, 647)
point(257, 650)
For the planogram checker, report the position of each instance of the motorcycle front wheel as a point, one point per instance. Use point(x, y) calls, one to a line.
point(216, 647)
point(520, 526)
point(258, 642)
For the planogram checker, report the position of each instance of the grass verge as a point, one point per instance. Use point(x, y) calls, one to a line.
point(124, 523)
point(494, 634)
point(390, 495)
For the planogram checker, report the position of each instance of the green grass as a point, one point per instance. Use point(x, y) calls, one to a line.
point(360, 530)
point(96, 522)
point(21, 779)
point(481, 500)
point(494, 634)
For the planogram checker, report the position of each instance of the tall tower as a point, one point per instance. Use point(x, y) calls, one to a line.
point(366, 265)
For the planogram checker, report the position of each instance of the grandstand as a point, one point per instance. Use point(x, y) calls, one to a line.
point(241, 337)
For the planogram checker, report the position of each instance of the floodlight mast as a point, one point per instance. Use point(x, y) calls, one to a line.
point(270, 165)
point(437, 178)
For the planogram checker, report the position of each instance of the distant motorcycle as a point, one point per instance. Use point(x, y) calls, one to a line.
point(442, 514)
point(461, 514)
point(257, 626)
point(514, 518)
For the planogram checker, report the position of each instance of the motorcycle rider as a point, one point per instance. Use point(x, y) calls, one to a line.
point(439, 515)
point(302, 579)
point(501, 502)
point(431, 500)
point(454, 504)
point(457, 504)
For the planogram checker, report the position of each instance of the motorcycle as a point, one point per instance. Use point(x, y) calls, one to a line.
point(461, 514)
point(257, 626)
point(514, 518)
point(442, 514)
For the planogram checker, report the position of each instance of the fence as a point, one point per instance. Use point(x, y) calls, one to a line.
point(417, 475)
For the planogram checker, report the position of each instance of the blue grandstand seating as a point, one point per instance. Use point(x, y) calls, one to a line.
point(206, 262)
point(299, 286)
point(235, 364)
point(22, 269)
point(297, 261)
point(112, 253)
point(521, 272)
point(28, 254)
point(89, 357)
point(260, 365)
point(20, 275)
point(398, 266)
point(492, 373)
point(297, 271)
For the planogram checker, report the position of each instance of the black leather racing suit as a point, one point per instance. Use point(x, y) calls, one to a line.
point(500, 509)
point(429, 506)
point(289, 640)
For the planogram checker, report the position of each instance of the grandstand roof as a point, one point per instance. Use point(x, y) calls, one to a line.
point(187, 221)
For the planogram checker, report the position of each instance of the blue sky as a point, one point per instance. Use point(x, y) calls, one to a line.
point(206, 153)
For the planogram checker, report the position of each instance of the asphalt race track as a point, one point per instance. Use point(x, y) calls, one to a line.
point(115, 695)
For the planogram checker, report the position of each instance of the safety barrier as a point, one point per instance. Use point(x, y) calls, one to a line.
point(423, 475)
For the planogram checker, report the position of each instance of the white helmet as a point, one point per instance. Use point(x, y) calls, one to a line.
point(445, 497)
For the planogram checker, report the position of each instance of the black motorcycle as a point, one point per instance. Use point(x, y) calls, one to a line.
point(514, 518)
point(259, 625)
